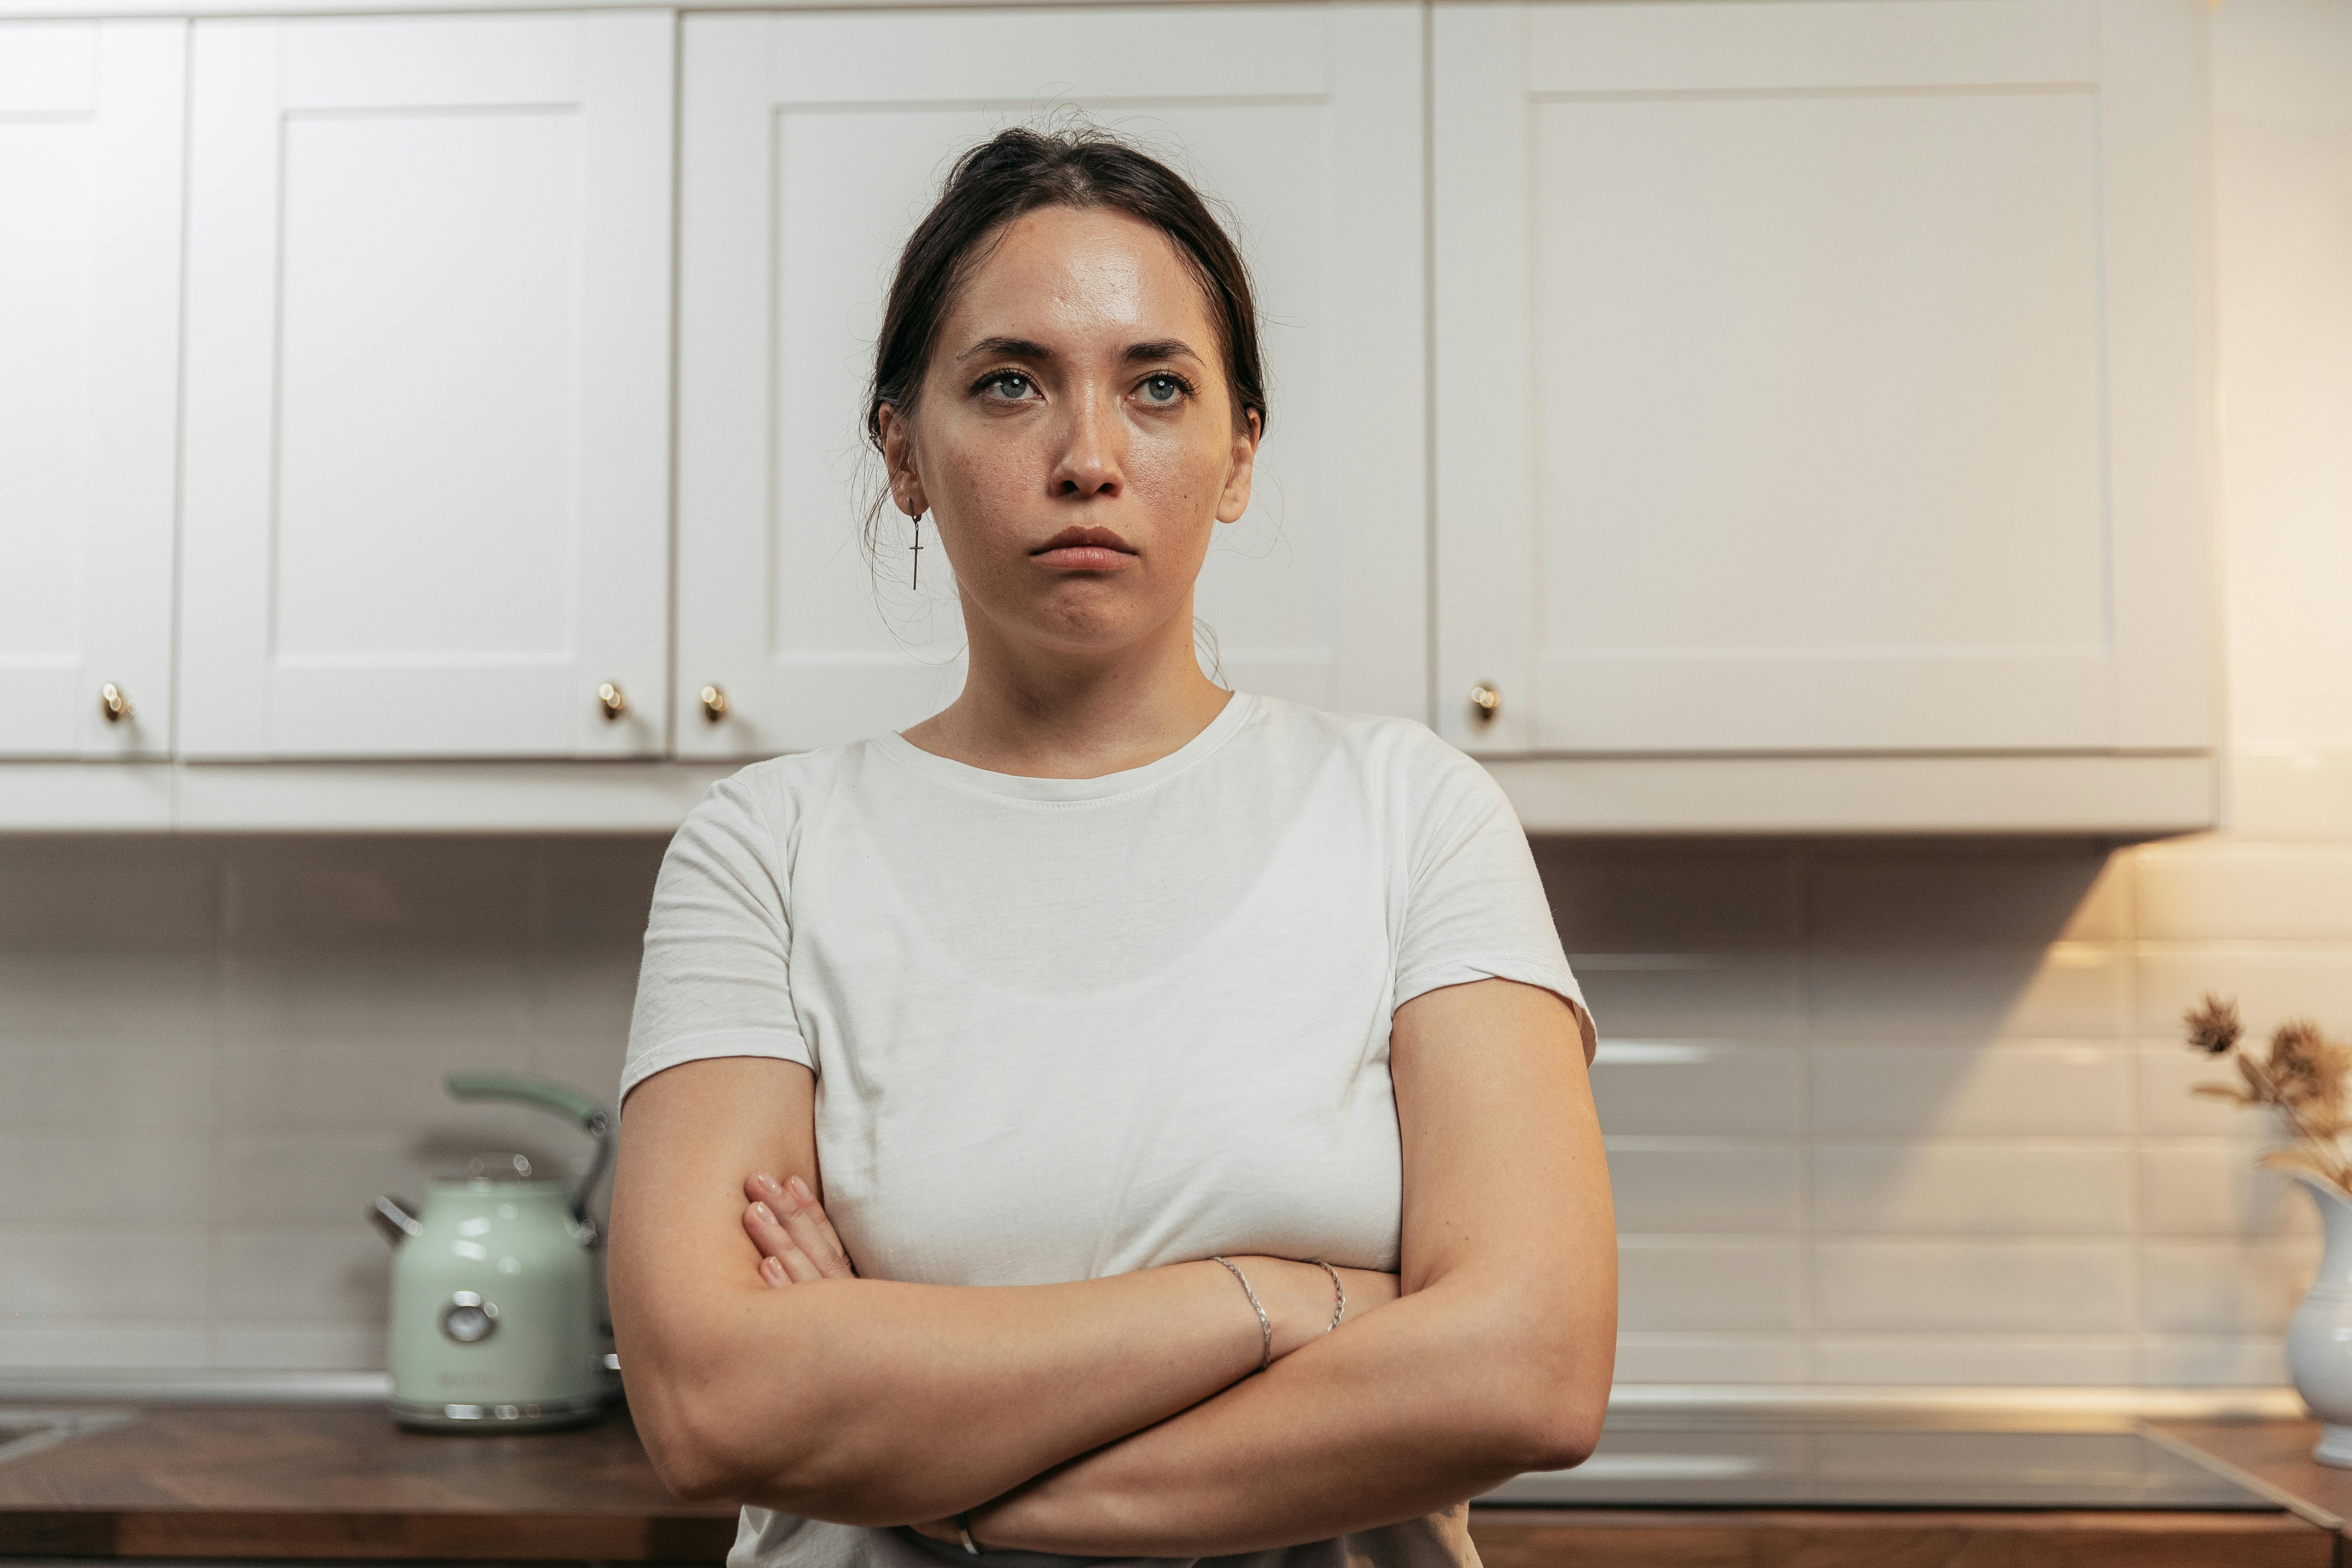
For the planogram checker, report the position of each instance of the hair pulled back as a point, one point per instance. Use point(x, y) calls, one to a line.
point(1015, 172)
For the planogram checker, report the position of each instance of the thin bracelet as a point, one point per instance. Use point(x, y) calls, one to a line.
point(1338, 1292)
point(1265, 1323)
point(963, 1527)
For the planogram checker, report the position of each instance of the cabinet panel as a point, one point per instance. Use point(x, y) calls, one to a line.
point(1853, 420)
point(90, 142)
point(810, 146)
point(426, 507)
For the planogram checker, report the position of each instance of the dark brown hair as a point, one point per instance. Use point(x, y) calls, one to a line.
point(1017, 171)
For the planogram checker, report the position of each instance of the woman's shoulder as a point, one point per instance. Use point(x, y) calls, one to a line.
point(768, 798)
point(1390, 747)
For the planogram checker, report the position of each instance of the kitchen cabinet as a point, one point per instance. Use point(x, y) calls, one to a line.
point(426, 454)
point(1820, 380)
point(810, 145)
point(1790, 417)
point(90, 116)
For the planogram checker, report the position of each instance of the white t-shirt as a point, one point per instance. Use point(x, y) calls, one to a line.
point(1066, 1028)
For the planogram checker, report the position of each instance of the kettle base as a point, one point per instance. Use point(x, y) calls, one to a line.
point(538, 1416)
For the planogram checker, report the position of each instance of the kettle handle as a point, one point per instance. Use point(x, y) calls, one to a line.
point(575, 1105)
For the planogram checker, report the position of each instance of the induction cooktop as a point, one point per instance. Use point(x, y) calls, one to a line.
point(1686, 1459)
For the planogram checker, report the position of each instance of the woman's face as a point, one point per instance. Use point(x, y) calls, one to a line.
point(1076, 384)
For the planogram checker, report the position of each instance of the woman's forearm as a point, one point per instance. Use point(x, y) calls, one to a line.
point(877, 1401)
point(1437, 1398)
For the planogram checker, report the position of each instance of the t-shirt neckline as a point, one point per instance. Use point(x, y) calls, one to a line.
point(1019, 786)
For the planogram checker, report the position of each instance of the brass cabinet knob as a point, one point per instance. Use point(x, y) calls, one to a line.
point(714, 703)
point(1486, 699)
point(608, 697)
point(115, 703)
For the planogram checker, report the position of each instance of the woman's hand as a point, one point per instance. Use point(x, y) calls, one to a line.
point(796, 1242)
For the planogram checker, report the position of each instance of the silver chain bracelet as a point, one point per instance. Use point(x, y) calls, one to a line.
point(1265, 1323)
point(1338, 1292)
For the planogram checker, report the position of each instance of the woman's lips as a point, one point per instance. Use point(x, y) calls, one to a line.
point(1086, 557)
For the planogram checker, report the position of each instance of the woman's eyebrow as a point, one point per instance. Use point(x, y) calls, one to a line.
point(1026, 347)
point(1005, 348)
point(1161, 348)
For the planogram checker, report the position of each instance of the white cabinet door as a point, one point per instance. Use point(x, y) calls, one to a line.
point(427, 386)
point(1820, 376)
point(90, 116)
point(811, 143)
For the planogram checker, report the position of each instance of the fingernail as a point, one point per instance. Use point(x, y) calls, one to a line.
point(765, 1213)
point(771, 1271)
point(800, 1190)
point(768, 1182)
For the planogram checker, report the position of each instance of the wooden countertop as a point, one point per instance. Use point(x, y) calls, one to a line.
point(342, 1481)
point(309, 1481)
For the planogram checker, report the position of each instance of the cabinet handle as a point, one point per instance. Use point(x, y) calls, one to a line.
point(115, 703)
point(714, 703)
point(1486, 699)
point(608, 696)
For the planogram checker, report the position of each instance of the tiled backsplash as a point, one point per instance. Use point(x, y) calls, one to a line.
point(213, 1053)
point(1904, 1113)
point(1920, 1114)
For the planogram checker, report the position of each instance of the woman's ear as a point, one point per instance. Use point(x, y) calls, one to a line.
point(899, 458)
point(1235, 498)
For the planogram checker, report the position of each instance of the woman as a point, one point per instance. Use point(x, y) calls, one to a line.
point(1117, 1117)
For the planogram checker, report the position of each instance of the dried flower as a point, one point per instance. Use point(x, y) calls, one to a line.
point(2213, 1025)
point(2303, 1076)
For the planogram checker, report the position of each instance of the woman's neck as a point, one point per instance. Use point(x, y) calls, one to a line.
point(1056, 717)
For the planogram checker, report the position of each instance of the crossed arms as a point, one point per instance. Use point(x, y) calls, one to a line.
point(1116, 1416)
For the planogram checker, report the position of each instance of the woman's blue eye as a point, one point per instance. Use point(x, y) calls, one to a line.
point(1163, 388)
point(1010, 383)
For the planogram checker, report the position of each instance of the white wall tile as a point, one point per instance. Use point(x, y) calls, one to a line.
point(160, 998)
point(289, 1081)
point(2215, 1189)
point(1668, 995)
point(1921, 1091)
point(377, 997)
point(2210, 1362)
point(121, 895)
point(1967, 896)
point(2215, 890)
point(82, 1275)
point(99, 1180)
point(1666, 1185)
point(111, 1347)
point(1734, 1286)
point(2071, 991)
point(2271, 984)
point(52, 1084)
point(2017, 1189)
point(298, 1347)
point(340, 1276)
point(1711, 1358)
point(2168, 1075)
point(1698, 1087)
point(2189, 1287)
point(1925, 1287)
point(1979, 1359)
point(2293, 793)
point(1667, 897)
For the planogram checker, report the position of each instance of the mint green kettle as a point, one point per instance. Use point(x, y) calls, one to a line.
point(494, 1318)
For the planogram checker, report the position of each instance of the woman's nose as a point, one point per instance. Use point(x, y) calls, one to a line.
point(1090, 461)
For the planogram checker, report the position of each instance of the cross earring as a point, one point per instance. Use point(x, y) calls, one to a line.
point(918, 548)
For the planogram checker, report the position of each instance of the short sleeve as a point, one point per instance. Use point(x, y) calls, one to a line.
point(716, 979)
point(1474, 906)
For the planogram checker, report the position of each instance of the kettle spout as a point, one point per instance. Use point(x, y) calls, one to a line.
point(391, 1217)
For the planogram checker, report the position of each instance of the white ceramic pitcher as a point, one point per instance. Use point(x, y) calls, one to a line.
point(2319, 1338)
